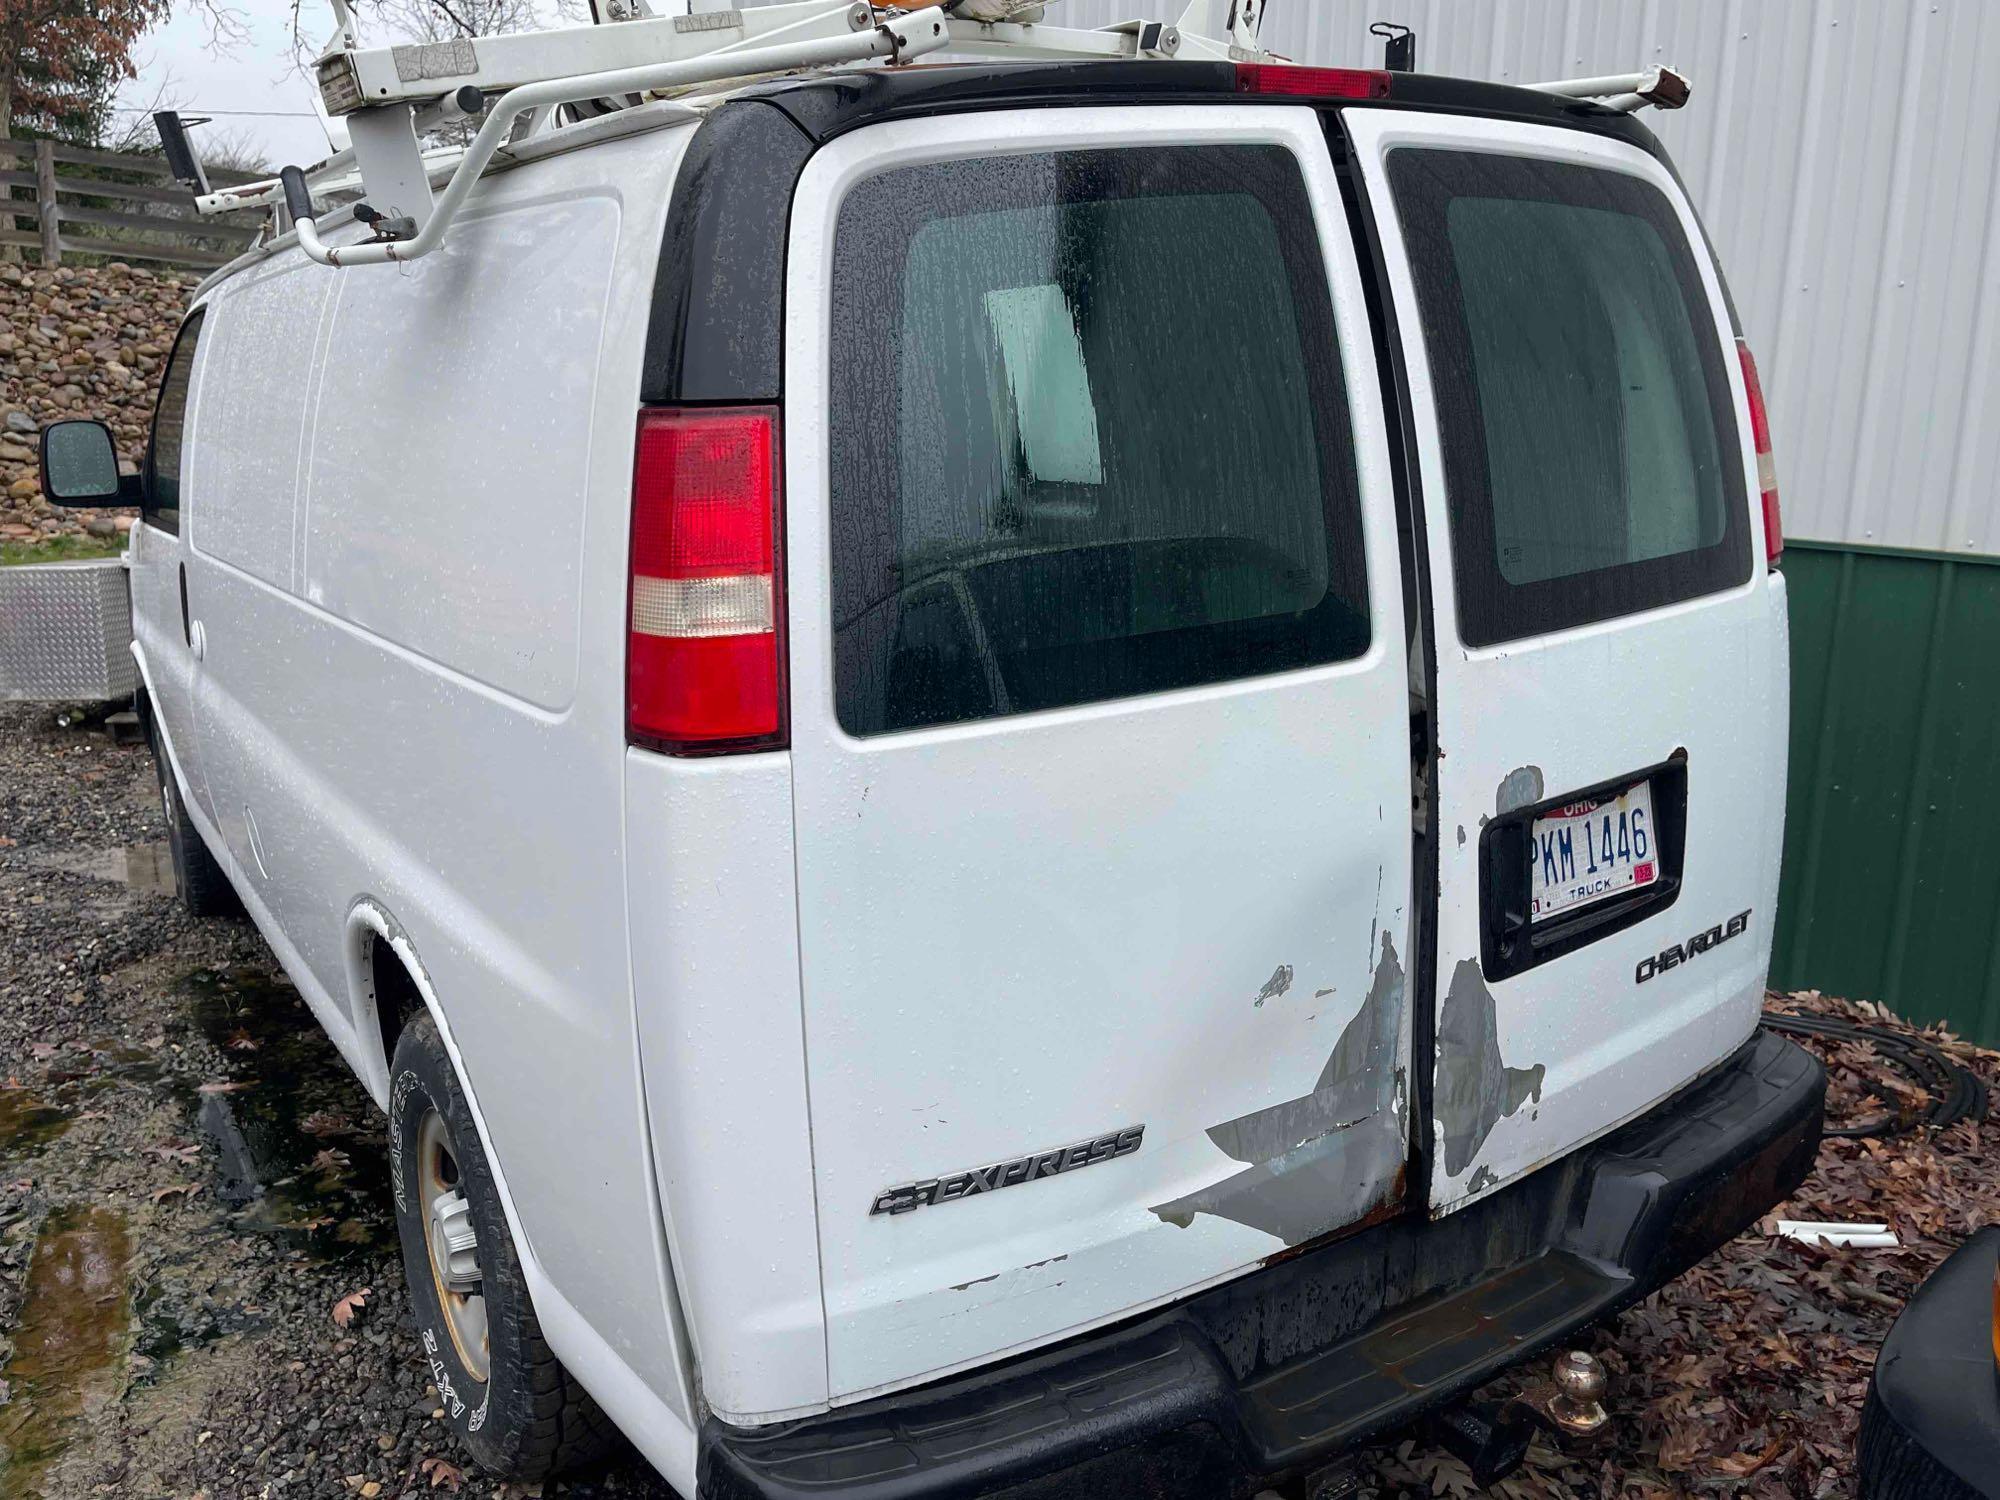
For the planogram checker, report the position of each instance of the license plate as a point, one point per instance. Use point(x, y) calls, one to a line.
point(1590, 851)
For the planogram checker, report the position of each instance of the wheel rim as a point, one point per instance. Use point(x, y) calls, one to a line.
point(452, 1247)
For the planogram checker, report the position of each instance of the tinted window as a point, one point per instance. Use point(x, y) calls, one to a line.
point(1089, 438)
point(1589, 438)
point(164, 462)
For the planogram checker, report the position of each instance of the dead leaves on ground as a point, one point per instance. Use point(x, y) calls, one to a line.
point(348, 1308)
point(450, 1476)
point(1745, 1377)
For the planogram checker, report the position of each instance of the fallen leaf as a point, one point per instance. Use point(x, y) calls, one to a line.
point(1680, 1447)
point(41, 1051)
point(442, 1473)
point(348, 1307)
point(1742, 1465)
point(176, 1152)
point(175, 1190)
point(231, 1086)
point(330, 1160)
point(241, 1041)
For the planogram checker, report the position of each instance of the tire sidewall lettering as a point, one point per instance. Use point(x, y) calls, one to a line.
point(409, 1096)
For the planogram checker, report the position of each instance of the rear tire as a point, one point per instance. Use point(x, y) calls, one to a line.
point(198, 876)
point(518, 1412)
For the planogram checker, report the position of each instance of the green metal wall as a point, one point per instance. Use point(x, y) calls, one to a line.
point(1891, 887)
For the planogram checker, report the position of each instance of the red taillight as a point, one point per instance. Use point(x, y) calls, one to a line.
point(704, 666)
point(1316, 83)
point(1767, 467)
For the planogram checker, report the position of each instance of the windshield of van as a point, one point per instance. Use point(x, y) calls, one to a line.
point(1582, 392)
point(1089, 437)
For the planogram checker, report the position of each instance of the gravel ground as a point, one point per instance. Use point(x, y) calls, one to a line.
point(191, 1182)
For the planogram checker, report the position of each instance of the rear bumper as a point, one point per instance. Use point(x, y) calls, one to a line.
point(1931, 1430)
point(1282, 1369)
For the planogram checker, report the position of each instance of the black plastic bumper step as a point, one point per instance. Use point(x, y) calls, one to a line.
point(1425, 1353)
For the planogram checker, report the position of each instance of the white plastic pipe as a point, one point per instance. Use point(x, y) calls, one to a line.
point(1854, 1236)
point(902, 36)
point(1593, 88)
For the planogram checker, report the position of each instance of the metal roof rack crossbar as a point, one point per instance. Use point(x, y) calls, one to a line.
point(392, 97)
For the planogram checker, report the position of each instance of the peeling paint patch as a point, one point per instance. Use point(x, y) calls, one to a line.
point(1461, 835)
point(1475, 1089)
point(1277, 984)
point(1322, 994)
point(1519, 788)
point(1482, 1180)
point(962, 1286)
point(1330, 1157)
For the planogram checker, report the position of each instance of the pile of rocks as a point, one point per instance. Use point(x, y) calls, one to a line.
point(78, 342)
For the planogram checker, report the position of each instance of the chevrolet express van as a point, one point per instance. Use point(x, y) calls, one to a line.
point(1055, 778)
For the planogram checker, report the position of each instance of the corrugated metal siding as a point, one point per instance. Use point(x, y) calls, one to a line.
point(1891, 888)
point(1846, 157)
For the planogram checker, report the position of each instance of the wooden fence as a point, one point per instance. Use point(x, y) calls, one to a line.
point(112, 204)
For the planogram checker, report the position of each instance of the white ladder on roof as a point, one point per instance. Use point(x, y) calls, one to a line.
point(392, 96)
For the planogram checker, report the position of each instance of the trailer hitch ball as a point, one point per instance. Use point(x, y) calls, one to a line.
point(1492, 1441)
point(1575, 1400)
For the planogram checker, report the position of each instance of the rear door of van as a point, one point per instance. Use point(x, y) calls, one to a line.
point(1099, 703)
point(1610, 658)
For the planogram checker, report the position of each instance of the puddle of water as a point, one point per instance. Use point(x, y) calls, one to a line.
point(143, 867)
point(300, 1149)
point(69, 1343)
point(173, 1318)
point(27, 1123)
point(123, 1062)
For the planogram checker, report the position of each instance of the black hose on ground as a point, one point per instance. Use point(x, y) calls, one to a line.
point(1956, 1092)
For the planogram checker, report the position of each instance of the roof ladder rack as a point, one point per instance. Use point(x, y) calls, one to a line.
point(391, 97)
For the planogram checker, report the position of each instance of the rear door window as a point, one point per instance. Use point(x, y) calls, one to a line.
point(1089, 438)
point(1588, 430)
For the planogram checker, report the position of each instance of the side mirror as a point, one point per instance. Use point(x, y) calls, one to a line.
point(80, 466)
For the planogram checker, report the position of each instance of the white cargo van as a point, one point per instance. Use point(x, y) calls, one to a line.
point(1043, 776)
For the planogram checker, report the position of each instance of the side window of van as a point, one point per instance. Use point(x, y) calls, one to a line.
point(164, 460)
point(1090, 438)
point(1589, 437)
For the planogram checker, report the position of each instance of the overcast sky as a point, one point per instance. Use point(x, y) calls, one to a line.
point(252, 89)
